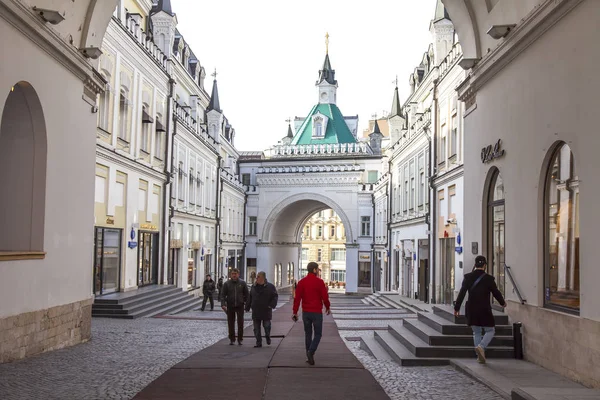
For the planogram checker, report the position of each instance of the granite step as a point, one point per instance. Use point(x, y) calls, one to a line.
point(401, 354)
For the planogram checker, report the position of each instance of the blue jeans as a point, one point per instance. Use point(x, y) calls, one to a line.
point(487, 337)
point(257, 333)
point(312, 320)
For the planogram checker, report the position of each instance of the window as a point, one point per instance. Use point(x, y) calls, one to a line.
point(192, 187)
point(319, 254)
point(252, 226)
point(104, 108)
point(306, 232)
point(320, 231)
point(304, 253)
point(337, 276)
point(453, 137)
point(496, 229)
point(146, 125)
point(365, 226)
point(372, 176)
point(562, 271)
point(318, 127)
point(422, 188)
point(158, 138)
point(451, 200)
point(246, 179)
point(123, 116)
point(412, 193)
point(332, 231)
point(180, 182)
point(442, 152)
point(338, 254)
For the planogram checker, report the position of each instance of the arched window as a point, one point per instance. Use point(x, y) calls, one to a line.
point(23, 152)
point(561, 214)
point(495, 229)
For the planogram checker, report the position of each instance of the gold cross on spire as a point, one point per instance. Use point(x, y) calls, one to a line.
point(327, 43)
point(214, 74)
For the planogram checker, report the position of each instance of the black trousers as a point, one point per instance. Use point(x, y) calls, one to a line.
point(232, 312)
point(205, 299)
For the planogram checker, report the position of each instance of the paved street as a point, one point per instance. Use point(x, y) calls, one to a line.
point(124, 356)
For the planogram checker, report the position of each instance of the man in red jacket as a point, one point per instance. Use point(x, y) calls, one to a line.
point(311, 290)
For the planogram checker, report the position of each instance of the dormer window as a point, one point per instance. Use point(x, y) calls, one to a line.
point(319, 125)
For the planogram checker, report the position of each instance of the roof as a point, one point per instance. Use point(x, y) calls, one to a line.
point(214, 99)
point(326, 73)
point(290, 134)
point(337, 130)
point(162, 5)
point(396, 106)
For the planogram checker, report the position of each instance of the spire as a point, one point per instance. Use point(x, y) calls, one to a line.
point(440, 12)
point(396, 107)
point(327, 73)
point(214, 97)
point(163, 5)
point(290, 134)
point(376, 127)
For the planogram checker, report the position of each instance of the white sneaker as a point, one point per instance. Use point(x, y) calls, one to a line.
point(480, 354)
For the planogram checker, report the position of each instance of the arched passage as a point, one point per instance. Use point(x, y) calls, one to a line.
point(23, 149)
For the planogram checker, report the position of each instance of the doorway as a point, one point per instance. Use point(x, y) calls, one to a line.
point(107, 260)
point(147, 258)
point(172, 267)
point(447, 269)
point(495, 232)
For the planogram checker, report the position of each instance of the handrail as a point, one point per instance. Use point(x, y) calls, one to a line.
point(512, 280)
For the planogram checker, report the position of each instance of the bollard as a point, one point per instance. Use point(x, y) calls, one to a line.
point(518, 340)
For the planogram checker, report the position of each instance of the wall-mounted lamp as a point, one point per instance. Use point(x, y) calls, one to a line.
point(52, 16)
point(91, 52)
point(499, 31)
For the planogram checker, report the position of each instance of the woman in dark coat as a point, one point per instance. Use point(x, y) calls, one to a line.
point(478, 308)
point(263, 300)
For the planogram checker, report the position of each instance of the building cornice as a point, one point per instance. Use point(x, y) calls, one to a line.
point(111, 155)
point(27, 22)
point(527, 32)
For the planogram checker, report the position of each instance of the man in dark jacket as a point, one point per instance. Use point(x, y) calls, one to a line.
point(208, 289)
point(220, 287)
point(262, 300)
point(478, 308)
point(233, 298)
point(312, 292)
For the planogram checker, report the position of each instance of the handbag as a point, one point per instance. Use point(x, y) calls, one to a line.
point(472, 287)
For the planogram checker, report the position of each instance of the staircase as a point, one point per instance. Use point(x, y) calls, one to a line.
point(379, 300)
point(156, 300)
point(435, 338)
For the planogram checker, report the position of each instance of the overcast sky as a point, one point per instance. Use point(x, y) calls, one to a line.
point(268, 53)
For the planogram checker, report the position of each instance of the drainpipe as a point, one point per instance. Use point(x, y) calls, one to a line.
point(433, 202)
point(244, 236)
point(373, 242)
point(167, 170)
point(389, 228)
point(218, 192)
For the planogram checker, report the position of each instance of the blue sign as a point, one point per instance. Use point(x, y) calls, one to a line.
point(458, 239)
point(132, 234)
point(458, 249)
point(414, 256)
point(132, 244)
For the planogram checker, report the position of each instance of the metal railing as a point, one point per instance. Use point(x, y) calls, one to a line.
point(514, 284)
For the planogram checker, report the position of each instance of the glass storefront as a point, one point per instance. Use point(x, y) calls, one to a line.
point(107, 260)
point(147, 258)
point(364, 269)
point(172, 268)
point(191, 269)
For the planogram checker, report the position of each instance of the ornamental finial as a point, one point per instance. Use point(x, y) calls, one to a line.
point(327, 43)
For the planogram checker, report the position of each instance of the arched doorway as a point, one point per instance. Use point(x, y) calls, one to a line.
point(495, 228)
point(23, 151)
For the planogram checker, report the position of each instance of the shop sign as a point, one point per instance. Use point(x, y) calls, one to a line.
point(176, 244)
point(196, 245)
point(490, 152)
point(364, 257)
point(132, 244)
point(148, 227)
point(110, 221)
point(459, 249)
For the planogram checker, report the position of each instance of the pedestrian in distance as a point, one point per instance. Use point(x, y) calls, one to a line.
point(219, 288)
point(312, 293)
point(262, 300)
point(478, 308)
point(208, 290)
point(234, 296)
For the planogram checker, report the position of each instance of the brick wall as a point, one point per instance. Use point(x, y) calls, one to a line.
point(36, 332)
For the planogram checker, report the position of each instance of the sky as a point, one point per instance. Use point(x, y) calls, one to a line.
point(267, 54)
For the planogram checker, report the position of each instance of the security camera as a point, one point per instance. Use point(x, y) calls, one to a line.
point(499, 31)
point(51, 16)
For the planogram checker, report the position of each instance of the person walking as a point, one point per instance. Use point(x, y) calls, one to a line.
point(311, 291)
point(219, 288)
point(478, 308)
point(263, 300)
point(234, 296)
point(208, 290)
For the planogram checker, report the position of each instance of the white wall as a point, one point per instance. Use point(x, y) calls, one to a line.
point(547, 94)
point(65, 275)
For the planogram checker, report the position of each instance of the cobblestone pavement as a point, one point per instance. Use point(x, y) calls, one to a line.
point(122, 358)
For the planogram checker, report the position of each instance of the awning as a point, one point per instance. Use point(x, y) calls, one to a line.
point(160, 127)
point(146, 118)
